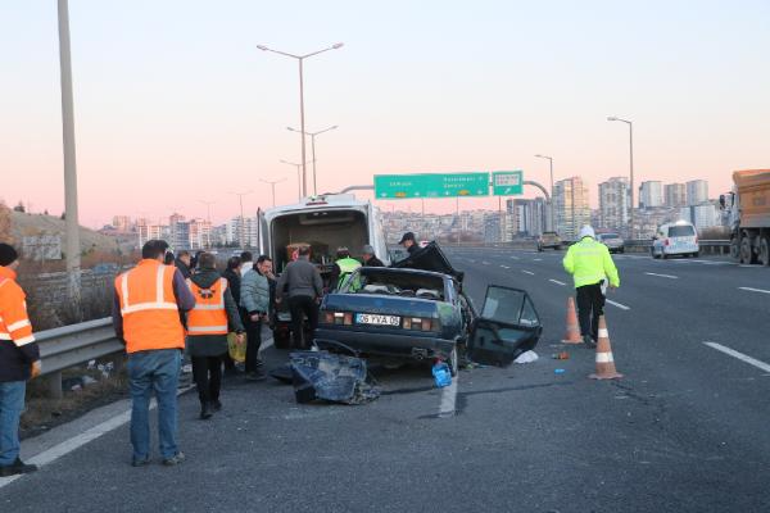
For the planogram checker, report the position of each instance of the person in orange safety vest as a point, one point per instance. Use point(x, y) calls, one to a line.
point(19, 361)
point(146, 316)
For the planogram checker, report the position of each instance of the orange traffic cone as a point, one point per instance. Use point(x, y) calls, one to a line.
point(605, 363)
point(573, 330)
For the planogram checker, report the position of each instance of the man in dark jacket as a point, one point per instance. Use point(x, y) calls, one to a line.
point(19, 362)
point(182, 262)
point(255, 300)
point(369, 258)
point(205, 347)
point(409, 242)
point(303, 285)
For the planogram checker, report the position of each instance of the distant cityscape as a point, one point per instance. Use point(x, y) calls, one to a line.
point(518, 218)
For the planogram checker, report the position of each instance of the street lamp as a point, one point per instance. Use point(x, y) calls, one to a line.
point(312, 146)
point(301, 59)
point(299, 167)
point(631, 163)
point(550, 161)
point(243, 220)
point(273, 183)
point(208, 219)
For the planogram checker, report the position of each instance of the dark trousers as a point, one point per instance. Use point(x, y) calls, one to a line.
point(207, 373)
point(228, 361)
point(590, 303)
point(253, 343)
point(299, 307)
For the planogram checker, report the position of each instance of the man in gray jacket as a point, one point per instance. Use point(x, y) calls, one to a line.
point(301, 282)
point(255, 300)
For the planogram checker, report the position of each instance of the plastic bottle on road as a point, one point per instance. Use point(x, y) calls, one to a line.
point(441, 374)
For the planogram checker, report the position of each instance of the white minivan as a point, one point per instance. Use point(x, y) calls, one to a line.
point(680, 238)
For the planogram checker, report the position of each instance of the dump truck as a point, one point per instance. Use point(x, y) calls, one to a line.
point(748, 212)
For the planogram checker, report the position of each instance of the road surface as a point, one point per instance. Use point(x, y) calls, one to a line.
point(686, 430)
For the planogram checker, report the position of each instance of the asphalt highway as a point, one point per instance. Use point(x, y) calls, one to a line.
point(686, 430)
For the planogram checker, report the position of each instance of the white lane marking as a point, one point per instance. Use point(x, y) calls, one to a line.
point(471, 261)
point(446, 407)
point(514, 258)
point(748, 266)
point(616, 304)
point(706, 262)
point(485, 262)
point(735, 354)
point(557, 282)
point(669, 276)
point(752, 289)
point(528, 272)
point(537, 259)
point(504, 266)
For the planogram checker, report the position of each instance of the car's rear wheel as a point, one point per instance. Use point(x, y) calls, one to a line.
point(764, 251)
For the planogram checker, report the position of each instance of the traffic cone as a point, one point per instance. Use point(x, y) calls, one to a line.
point(573, 330)
point(605, 363)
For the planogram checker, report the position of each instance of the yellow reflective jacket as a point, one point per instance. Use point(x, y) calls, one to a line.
point(589, 262)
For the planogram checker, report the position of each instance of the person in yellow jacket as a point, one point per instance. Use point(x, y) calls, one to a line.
point(590, 264)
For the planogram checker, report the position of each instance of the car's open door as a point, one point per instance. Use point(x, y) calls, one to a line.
point(508, 326)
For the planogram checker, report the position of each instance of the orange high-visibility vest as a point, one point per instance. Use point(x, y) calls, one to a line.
point(148, 307)
point(14, 321)
point(209, 317)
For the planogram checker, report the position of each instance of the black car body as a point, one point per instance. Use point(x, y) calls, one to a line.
point(420, 314)
point(403, 313)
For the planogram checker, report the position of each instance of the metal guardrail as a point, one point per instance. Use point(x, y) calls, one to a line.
point(68, 346)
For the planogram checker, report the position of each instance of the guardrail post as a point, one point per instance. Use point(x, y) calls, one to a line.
point(55, 385)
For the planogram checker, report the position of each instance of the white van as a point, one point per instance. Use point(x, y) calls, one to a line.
point(680, 238)
point(324, 223)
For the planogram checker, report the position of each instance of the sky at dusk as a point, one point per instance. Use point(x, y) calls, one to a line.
point(174, 103)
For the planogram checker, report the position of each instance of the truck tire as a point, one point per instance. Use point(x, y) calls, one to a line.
point(747, 252)
point(735, 248)
point(454, 361)
point(764, 251)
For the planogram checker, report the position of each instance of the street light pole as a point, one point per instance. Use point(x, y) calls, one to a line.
point(70, 163)
point(242, 219)
point(631, 164)
point(553, 215)
point(301, 59)
point(299, 167)
point(272, 184)
point(208, 219)
point(312, 145)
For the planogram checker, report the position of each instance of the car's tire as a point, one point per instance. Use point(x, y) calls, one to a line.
point(696, 254)
point(735, 248)
point(282, 339)
point(764, 251)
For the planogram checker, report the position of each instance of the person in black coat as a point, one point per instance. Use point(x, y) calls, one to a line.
point(369, 258)
point(233, 276)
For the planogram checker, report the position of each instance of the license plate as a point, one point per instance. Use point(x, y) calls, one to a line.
point(379, 320)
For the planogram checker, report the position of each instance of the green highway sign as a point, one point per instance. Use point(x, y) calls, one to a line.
point(507, 183)
point(431, 185)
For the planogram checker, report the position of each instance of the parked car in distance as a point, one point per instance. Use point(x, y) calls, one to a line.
point(613, 241)
point(423, 315)
point(678, 238)
point(549, 240)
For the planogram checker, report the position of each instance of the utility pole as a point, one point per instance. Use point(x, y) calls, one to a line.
point(70, 166)
point(272, 184)
point(208, 220)
point(301, 59)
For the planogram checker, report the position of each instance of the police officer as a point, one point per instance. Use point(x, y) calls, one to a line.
point(590, 264)
point(343, 267)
